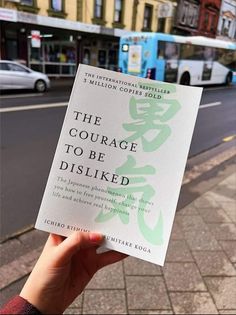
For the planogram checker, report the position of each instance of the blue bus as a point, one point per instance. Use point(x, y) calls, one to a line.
point(187, 60)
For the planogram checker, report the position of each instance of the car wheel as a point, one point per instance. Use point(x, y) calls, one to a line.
point(40, 86)
point(185, 79)
point(228, 79)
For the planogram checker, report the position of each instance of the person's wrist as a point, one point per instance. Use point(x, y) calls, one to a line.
point(39, 300)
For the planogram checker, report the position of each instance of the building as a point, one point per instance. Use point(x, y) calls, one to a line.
point(227, 21)
point(208, 18)
point(187, 17)
point(53, 36)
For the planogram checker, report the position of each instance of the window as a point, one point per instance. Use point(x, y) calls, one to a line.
point(229, 24)
point(206, 19)
point(168, 50)
point(191, 52)
point(192, 15)
point(3, 66)
point(223, 26)
point(213, 23)
point(195, 16)
point(147, 21)
point(98, 9)
point(28, 6)
point(161, 25)
point(227, 58)
point(14, 67)
point(57, 8)
point(184, 13)
point(99, 12)
point(56, 5)
point(27, 2)
point(118, 11)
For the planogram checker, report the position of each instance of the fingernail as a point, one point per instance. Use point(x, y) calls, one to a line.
point(95, 237)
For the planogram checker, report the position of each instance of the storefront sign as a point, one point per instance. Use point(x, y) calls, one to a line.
point(106, 31)
point(119, 32)
point(35, 39)
point(8, 15)
point(19, 16)
point(27, 17)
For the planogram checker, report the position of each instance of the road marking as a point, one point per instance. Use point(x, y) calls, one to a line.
point(210, 105)
point(31, 107)
point(44, 106)
point(230, 138)
point(21, 95)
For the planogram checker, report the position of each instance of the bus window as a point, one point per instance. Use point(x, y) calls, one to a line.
point(167, 50)
point(191, 52)
point(209, 53)
point(171, 51)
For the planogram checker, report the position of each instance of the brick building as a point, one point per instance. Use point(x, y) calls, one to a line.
point(187, 17)
point(208, 17)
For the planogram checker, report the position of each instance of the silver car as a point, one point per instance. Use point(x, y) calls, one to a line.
point(16, 76)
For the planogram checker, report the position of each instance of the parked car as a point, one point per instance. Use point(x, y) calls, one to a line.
point(17, 76)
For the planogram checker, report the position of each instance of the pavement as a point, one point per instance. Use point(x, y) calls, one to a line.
point(199, 275)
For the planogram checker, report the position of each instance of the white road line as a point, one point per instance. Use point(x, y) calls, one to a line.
point(45, 106)
point(31, 107)
point(210, 105)
point(20, 95)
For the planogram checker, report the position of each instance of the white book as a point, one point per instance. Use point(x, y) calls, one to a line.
point(120, 161)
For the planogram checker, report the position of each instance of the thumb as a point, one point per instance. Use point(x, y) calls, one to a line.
point(76, 241)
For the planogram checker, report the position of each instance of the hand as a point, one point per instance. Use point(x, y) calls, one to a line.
point(64, 269)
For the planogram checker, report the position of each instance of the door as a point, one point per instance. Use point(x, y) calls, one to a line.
point(5, 76)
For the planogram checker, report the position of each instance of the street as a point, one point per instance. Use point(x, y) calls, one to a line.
point(29, 138)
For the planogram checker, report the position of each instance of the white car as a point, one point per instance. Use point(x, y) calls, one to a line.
point(16, 76)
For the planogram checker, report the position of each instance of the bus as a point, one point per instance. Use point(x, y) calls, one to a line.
point(187, 60)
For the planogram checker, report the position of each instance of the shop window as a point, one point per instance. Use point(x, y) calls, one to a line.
point(118, 14)
point(86, 57)
point(57, 8)
point(147, 20)
point(99, 12)
point(28, 6)
point(112, 59)
point(54, 58)
point(102, 58)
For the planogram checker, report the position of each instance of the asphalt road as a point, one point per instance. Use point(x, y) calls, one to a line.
point(29, 139)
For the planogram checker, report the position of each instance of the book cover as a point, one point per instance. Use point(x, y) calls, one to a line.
point(120, 161)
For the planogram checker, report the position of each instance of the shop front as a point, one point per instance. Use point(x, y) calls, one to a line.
point(57, 54)
point(43, 45)
point(100, 51)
